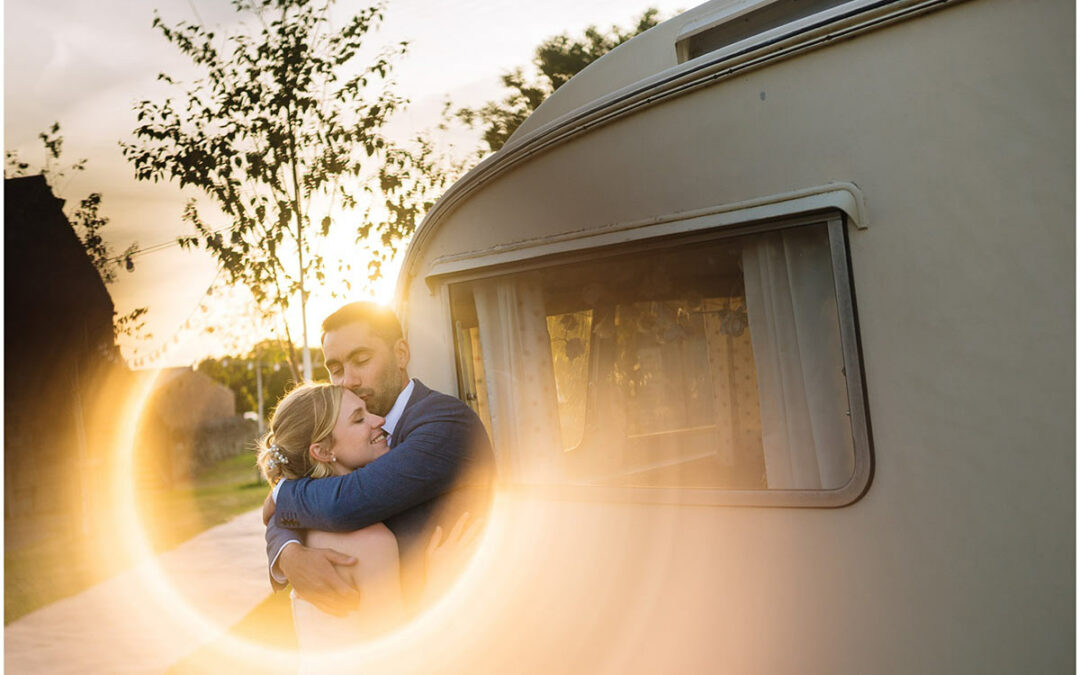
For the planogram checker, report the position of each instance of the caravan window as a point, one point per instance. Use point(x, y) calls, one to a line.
point(712, 363)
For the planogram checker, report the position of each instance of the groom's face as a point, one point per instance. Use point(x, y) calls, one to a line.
point(361, 360)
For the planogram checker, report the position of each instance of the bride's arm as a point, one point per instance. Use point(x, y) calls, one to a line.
point(268, 509)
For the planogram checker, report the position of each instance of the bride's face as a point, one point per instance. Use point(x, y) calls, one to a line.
point(358, 437)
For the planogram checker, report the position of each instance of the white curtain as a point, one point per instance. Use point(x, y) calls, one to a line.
point(520, 380)
point(794, 328)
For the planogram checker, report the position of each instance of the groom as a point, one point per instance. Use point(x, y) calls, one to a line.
point(439, 459)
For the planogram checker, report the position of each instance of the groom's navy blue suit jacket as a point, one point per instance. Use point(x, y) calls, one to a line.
point(439, 464)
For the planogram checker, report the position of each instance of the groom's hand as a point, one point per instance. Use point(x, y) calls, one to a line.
point(314, 574)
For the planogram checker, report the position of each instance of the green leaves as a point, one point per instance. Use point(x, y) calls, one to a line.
point(556, 60)
point(268, 135)
point(410, 180)
point(53, 140)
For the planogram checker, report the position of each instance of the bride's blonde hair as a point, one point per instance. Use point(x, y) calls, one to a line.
point(305, 415)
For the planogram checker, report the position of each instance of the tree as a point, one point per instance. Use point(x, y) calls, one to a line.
point(274, 135)
point(237, 372)
point(410, 180)
point(414, 176)
point(556, 60)
point(87, 221)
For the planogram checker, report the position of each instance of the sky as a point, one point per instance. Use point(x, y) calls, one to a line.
point(85, 64)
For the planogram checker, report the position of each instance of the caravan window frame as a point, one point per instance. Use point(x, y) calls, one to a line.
point(836, 223)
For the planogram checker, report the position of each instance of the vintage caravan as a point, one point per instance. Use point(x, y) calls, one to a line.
point(769, 313)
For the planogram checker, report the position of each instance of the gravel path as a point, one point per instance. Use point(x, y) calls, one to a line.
point(148, 618)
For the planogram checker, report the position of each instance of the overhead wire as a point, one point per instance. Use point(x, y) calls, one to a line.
point(137, 359)
point(161, 246)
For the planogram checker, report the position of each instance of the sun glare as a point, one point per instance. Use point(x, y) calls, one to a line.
point(187, 612)
point(535, 559)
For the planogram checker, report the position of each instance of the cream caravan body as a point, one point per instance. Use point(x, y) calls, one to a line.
point(770, 314)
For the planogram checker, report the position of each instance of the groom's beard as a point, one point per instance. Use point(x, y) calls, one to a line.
point(372, 401)
point(382, 399)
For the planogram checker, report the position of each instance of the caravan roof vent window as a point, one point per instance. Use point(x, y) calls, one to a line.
point(749, 19)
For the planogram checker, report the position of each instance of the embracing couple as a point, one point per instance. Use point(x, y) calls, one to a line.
point(368, 472)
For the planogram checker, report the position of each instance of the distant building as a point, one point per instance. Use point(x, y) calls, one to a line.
point(186, 399)
point(189, 421)
point(58, 350)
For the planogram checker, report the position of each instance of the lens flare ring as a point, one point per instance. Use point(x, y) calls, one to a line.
point(396, 649)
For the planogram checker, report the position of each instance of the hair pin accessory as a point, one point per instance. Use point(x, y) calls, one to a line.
point(277, 456)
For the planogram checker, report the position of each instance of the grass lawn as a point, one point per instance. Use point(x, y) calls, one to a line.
point(59, 561)
point(226, 489)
